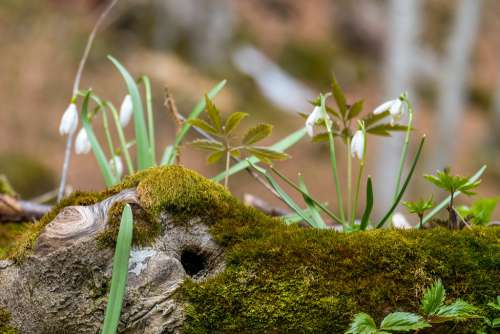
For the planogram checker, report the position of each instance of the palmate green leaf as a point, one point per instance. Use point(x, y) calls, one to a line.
point(280, 146)
point(480, 211)
point(170, 154)
point(208, 145)
point(199, 123)
point(233, 121)
point(458, 310)
point(120, 271)
point(444, 180)
point(109, 177)
point(446, 201)
point(385, 129)
point(369, 205)
point(372, 119)
point(433, 298)
point(339, 97)
point(213, 113)
point(215, 157)
point(144, 153)
point(362, 324)
point(266, 154)
point(355, 109)
point(403, 322)
point(257, 133)
point(333, 112)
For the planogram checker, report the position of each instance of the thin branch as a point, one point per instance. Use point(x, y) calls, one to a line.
point(76, 87)
point(171, 107)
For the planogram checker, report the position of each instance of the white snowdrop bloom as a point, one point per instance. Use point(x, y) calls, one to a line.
point(82, 143)
point(399, 221)
point(395, 108)
point(116, 165)
point(69, 120)
point(358, 145)
point(313, 118)
point(126, 111)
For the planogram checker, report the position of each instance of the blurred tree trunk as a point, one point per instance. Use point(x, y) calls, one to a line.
point(453, 79)
point(403, 30)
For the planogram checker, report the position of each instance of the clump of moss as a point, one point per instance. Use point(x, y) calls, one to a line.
point(146, 228)
point(4, 323)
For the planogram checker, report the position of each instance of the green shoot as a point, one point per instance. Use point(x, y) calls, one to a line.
point(419, 207)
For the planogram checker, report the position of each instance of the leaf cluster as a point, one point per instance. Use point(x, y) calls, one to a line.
point(224, 136)
point(479, 213)
point(419, 207)
point(451, 183)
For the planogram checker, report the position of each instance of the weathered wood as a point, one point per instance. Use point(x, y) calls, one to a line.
point(13, 209)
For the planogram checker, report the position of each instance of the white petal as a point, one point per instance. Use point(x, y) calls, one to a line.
point(69, 120)
point(399, 221)
point(383, 107)
point(82, 143)
point(313, 118)
point(396, 108)
point(126, 111)
point(117, 165)
point(358, 145)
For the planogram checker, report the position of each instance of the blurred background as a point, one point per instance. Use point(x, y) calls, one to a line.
point(276, 54)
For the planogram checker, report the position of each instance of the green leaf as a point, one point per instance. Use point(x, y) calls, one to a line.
point(371, 119)
point(446, 201)
point(320, 137)
point(480, 212)
point(280, 146)
point(315, 215)
point(459, 310)
point(120, 271)
point(369, 205)
point(213, 113)
point(197, 110)
point(102, 161)
point(199, 123)
point(433, 298)
point(166, 154)
point(149, 108)
point(215, 157)
point(403, 322)
point(265, 154)
point(355, 109)
point(233, 121)
point(144, 153)
point(257, 133)
point(362, 324)
point(405, 184)
point(339, 97)
point(385, 129)
point(208, 145)
point(451, 183)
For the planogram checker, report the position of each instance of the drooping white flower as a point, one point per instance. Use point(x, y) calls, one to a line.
point(116, 165)
point(313, 118)
point(395, 108)
point(82, 143)
point(399, 221)
point(69, 120)
point(358, 145)
point(126, 111)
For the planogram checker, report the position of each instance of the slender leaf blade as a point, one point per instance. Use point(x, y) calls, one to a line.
point(369, 205)
point(315, 215)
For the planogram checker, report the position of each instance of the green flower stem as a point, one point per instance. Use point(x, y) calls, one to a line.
point(350, 206)
point(333, 159)
point(404, 153)
point(121, 138)
point(228, 164)
point(109, 140)
point(149, 110)
point(360, 175)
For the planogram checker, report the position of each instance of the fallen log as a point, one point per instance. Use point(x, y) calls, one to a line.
point(205, 263)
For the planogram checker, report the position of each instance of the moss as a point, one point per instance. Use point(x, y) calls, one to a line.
point(4, 323)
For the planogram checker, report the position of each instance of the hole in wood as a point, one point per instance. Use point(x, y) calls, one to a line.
point(193, 261)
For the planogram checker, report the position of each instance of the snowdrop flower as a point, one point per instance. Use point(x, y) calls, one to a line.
point(358, 145)
point(395, 108)
point(399, 221)
point(116, 165)
point(69, 120)
point(126, 111)
point(313, 118)
point(82, 143)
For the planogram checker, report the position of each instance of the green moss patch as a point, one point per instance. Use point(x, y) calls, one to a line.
point(4, 323)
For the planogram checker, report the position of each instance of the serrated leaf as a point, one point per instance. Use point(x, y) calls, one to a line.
point(459, 310)
point(257, 133)
point(355, 109)
point(265, 154)
point(362, 324)
point(333, 112)
point(385, 129)
point(371, 119)
point(233, 121)
point(433, 298)
point(213, 113)
point(215, 157)
point(403, 322)
point(339, 97)
point(208, 145)
point(199, 123)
